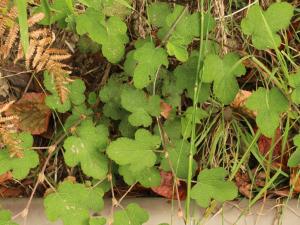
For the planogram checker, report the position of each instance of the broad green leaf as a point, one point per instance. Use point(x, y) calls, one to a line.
point(120, 8)
point(110, 94)
point(178, 153)
point(269, 104)
point(72, 203)
point(210, 185)
point(22, 17)
point(149, 59)
point(126, 129)
point(131, 215)
point(138, 154)
point(69, 3)
point(223, 73)
point(148, 177)
point(186, 74)
point(5, 218)
point(181, 35)
point(294, 82)
point(20, 167)
point(140, 106)
point(157, 13)
point(85, 148)
point(110, 33)
point(187, 118)
point(57, 11)
point(294, 159)
point(45, 8)
point(263, 26)
point(97, 221)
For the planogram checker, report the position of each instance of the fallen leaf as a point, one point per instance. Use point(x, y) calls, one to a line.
point(10, 192)
point(279, 158)
point(165, 109)
point(167, 188)
point(33, 114)
point(245, 184)
point(295, 181)
point(240, 101)
point(4, 87)
point(5, 177)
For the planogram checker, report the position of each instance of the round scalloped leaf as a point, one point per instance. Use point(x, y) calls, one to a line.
point(148, 177)
point(211, 184)
point(77, 89)
point(72, 203)
point(85, 148)
point(178, 153)
point(131, 215)
point(137, 153)
point(264, 25)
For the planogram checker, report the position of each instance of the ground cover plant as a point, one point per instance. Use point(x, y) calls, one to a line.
point(195, 101)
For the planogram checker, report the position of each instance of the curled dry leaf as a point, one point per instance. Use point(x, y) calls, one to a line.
point(167, 188)
point(245, 185)
point(295, 181)
point(165, 109)
point(279, 157)
point(32, 112)
point(5, 177)
point(10, 192)
point(240, 101)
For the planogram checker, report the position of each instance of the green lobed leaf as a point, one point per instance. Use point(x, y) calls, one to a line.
point(223, 73)
point(110, 33)
point(131, 215)
point(294, 82)
point(56, 11)
point(187, 118)
point(110, 94)
point(138, 154)
point(5, 218)
point(178, 154)
point(20, 167)
point(149, 177)
point(181, 35)
point(269, 104)
point(210, 185)
point(85, 148)
point(263, 26)
point(148, 61)
point(140, 106)
point(97, 221)
point(186, 74)
point(72, 203)
point(294, 159)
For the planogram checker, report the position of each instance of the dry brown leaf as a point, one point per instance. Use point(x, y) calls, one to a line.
point(167, 189)
point(10, 192)
point(279, 158)
point(295, 181)
point(5, 177)
point(33, 114)
point(165, 109)
point(240, 101)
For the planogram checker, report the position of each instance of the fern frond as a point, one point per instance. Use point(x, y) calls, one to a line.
point(40, 55)
point(8, 132)
point(35, 19)
point(60, 86)
point(11, 39)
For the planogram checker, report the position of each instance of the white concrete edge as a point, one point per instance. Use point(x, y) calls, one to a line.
point(160, 210)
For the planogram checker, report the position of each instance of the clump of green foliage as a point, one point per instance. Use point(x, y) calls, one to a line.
point(201, 140)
